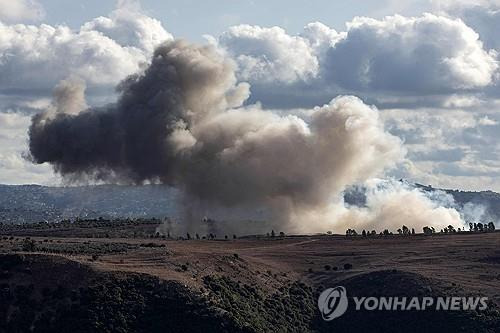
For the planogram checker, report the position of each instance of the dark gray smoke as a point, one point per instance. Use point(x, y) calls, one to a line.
point(139, 137)
point(181, 123)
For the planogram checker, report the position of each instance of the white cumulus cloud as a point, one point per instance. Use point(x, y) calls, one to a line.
point(103, 52)
point(270, 54)
point(15, 11)
point(127, 26)
point(394, 56)
point(427, 54)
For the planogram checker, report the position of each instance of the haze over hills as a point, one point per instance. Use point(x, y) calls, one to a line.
point(35, 203)
point(488, 200)
point(474, 206)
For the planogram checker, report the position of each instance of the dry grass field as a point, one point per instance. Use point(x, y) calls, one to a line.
point(465, 263)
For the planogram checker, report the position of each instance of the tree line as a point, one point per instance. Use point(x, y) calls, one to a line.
point(427, 230)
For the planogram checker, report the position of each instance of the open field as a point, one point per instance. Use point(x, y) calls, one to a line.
point(461, 264)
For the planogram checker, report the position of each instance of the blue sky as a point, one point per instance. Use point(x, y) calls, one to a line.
point(192, 19)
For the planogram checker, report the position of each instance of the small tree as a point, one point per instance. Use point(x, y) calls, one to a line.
point(351, 232)
point(273, 234)
point(428, 231)
point(29, 245)
point(363, 233)
point(413, 231)
point(491, 226)
point(406, 231)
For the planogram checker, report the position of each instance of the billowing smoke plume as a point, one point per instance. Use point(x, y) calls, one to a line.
point(390, 204)
point(181, 122)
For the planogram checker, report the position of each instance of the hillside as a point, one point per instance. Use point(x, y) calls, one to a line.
point(34, 203)
point(60, 284)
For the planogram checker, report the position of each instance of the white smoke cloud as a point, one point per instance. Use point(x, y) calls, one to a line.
point(69, 96)
point(392, 204)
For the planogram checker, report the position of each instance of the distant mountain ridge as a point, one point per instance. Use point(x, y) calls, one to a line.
point(489, 199)
point(35, 203)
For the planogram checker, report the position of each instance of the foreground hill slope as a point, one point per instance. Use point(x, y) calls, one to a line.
point(251, 285)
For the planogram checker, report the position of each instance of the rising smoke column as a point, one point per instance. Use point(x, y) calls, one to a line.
point(139, 137)
point(181, 122)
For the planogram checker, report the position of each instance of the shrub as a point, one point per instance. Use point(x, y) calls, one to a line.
point(29, 245)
